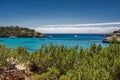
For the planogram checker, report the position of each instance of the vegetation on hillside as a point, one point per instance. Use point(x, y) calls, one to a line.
point(18, 32)
point(62, 63)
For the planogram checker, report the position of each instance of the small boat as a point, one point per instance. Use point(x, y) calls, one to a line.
point(12, 37)
point(42, 36)
point(49, 36)
point(75, 36)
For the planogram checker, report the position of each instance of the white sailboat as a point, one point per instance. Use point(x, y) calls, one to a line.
point(75, 36)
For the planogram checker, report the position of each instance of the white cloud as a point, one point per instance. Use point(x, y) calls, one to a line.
point(81, 25)
point(79, 28)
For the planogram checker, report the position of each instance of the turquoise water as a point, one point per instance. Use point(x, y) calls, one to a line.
point(31, 44)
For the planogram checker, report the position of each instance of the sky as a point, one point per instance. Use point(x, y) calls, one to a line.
point(62, 16)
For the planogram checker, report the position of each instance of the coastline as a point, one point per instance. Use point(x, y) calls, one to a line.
point(112, 37)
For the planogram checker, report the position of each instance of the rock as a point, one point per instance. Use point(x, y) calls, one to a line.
point(17, 71)
point(15, 75)
point(115, 35)
point(12, 61)
point(20, 67)
point(110, 39)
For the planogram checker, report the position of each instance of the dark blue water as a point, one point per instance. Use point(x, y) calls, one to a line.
point(69, 40)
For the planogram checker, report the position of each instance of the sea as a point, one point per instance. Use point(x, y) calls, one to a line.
point(68, 40)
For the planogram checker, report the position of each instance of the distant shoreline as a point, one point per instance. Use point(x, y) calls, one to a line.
point(16, 31)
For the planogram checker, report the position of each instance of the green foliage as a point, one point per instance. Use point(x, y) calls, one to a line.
point(19, 53)
point(114, 40)
point(3, 56)
point(23, 54)
point(96, 63)
point(51, 74)
point(62, 63)
point(18, 32)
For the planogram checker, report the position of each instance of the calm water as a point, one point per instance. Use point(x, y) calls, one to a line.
point(82, 40)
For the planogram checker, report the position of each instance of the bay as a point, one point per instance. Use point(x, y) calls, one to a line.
point(69, 40)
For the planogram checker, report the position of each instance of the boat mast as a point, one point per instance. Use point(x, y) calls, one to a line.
point(89, 34)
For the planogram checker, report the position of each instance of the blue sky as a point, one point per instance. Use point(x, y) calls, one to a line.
point(35, 13)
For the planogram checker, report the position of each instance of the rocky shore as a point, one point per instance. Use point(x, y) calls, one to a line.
point(114, 37)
